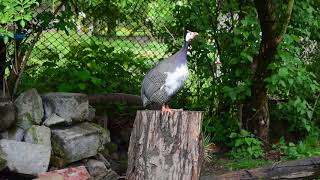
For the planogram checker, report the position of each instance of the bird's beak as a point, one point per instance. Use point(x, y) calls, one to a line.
point(195, 34)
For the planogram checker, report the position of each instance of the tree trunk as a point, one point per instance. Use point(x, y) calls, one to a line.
point(164, 146)
point(2, 62)
point(298, 169)
point(255, 111)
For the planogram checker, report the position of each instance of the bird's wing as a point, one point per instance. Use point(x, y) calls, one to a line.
point(152, 82)
point(153, 85)
point(166, 65)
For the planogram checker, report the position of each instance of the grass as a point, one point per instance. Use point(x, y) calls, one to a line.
point(124, 31)
point(238, 164)
point(221, 164)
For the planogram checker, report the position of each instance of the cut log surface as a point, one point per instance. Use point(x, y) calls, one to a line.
point(165, 146)
point(298, 169)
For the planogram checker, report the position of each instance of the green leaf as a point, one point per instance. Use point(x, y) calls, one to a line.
point(5, 39)
point(22, 23)
point(283, 84)
point(96, 81)
point(66, 87)
point(233, 135)
point(248, 141)
point(238, 143)
point(283, 72)
point(27, 17)
point(244, 133)
point(82, 86)
point(246, 56)
point(83, 75)
point(290, 81)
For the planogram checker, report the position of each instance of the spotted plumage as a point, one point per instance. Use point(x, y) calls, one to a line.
point(167, 78)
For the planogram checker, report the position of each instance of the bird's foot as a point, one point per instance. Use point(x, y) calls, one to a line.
point(166, 109)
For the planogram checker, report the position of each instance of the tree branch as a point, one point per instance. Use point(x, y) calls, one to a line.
point(285, 22)
point(29, 51)
point(24, 61)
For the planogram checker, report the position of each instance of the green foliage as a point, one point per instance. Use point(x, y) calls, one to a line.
point(245, 145)
point(306, 148)
point(14, 15)
point(292, 81)
point(88, 68)
point(220, 129)
point(225, 36)
point(229, 32)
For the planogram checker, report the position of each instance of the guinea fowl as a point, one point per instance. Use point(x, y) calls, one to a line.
point(167, 78)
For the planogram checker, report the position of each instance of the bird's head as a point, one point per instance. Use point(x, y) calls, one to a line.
point(190, 36)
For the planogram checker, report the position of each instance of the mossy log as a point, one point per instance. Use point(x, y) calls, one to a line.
point(298, 169)
point(165, 146)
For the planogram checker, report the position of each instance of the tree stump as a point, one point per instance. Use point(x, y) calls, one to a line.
point(165, 146)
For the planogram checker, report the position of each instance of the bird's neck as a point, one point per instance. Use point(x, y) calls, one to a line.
point(185, 45)
point(182, 56)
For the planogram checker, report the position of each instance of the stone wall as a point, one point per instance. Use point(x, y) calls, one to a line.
point(40, 133)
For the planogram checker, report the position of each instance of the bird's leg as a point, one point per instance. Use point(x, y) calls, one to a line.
point(165, 108)
point(168, 109)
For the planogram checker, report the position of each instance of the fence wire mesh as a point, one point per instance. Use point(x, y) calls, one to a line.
point(138, 27)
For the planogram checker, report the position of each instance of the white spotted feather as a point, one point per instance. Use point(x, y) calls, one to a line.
point(175, 79)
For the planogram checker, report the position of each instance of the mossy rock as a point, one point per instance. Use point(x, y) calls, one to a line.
point(25, 122)
point(38, 135)
point(3, 162)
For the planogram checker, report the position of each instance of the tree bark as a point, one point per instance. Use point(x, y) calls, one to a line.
point(164, 146)
point(255, 111)
point(2, 62)
point(298, 169)
point(129, 99)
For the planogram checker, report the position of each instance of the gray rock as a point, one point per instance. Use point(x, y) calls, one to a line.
point(14, 133)
point(99, 171)
point(91, 114)
point(73, 107)
point(25, 157)
point(95, 167)
point(8, 114)
point(38, 135)
point(78, 141)
point(54, 120)
point(109, 175)
point(29, 109)
point(101, 158)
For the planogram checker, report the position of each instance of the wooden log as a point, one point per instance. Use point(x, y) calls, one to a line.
point(129, 99)
point(164, 146)
point(298, 169)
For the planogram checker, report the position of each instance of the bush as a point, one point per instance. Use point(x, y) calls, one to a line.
point(87, 68)
point(245, 145)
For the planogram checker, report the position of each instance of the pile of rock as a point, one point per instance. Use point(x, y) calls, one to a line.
point(51, 131)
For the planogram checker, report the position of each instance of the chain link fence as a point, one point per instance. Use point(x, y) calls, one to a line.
point(139, 27)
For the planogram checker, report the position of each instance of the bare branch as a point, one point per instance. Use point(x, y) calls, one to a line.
point(24, 61)
point(285, 22)
point(29, 51)
point(174, 40)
